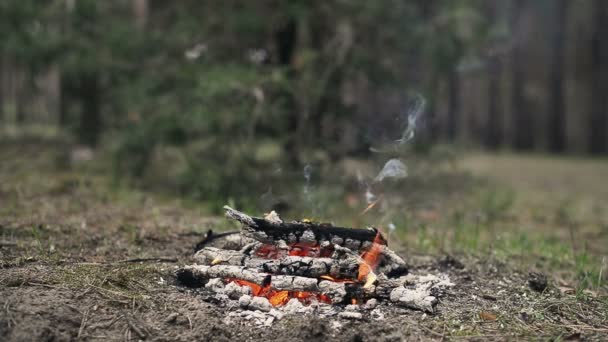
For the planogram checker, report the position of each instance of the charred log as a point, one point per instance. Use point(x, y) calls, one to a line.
point(270, 231)
point(338, 266)
point(199, 275)
point(225, 240)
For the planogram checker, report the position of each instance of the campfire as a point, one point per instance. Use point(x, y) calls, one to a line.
point(274, 263)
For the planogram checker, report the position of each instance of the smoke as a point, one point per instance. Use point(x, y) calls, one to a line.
point(307, 176)
point(393, 168)
point(413, 113)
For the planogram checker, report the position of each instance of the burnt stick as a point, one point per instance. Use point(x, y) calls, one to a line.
point(267, 231)
point(339, 266)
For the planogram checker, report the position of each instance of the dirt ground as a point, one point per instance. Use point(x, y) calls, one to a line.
point(80, 262)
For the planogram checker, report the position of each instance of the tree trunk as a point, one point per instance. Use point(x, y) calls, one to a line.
point(599, 104)
point(453, 105)
point(20, 96)
point(2, 83)
point(286, 44)
point(63, 100)
point(90, 118)
point(523, 120)
point(493, 130)
point(140, 12)
point(557, 103)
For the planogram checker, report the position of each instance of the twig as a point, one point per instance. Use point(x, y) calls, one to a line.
point(189, 321)
point(134, 327)
point(83, 323)
point(160, 259)
point(4, 243)
point(126, 261)
point(430, 331)
point(210, 236)
point(46, 285)
point(110, 291)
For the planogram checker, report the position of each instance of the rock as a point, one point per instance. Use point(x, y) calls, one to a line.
point(370, 304)
point(172, 318)
point(325, 310)
point(268, 322)
point(448, 261)
point(418, 298)
point(350, 315)
point(260, 303)
point(537, 281)
point(276, 314)
point(235, 291)
point(215, 285)
point(244, 301)
point(377, 315)
point(294, 306)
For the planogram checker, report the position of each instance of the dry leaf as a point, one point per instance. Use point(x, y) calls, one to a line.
point(566, 290)
point(487, 316)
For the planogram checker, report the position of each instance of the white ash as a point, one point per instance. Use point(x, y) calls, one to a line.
point(273, 217)
point(337, 241)
point(412, 291)
point(370, 304)
point(350, 315)
point(352, 307)
point(294, 306)
point(308, 237)
point(260, 303)
point(414, 298)
point(377, 314)
point(244, 301)
point(325, 310)
point(235, 291)
point(216, 285)
point(416, 293)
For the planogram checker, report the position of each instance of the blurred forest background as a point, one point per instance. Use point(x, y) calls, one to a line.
point(207, 97)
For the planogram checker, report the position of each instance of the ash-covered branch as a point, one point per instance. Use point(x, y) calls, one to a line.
point(270, 231)
point(339, 266)
point(199, 275)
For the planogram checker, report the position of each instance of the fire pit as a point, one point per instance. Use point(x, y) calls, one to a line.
point(290, 265)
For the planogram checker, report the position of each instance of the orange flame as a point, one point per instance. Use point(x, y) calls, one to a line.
point(337, 280)
point(371, 205)
point(369, 261)
point(279, 298)
point(371, 258)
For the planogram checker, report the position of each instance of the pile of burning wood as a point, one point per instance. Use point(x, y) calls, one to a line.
point(277, 262)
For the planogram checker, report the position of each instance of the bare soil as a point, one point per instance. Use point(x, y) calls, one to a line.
point(80, 262)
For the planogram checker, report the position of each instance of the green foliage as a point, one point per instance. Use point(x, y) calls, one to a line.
point(225, 74)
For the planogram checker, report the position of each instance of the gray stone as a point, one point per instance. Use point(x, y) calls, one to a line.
point(244, 301)
point(260, 303)
point(370, 304)
point(215, 285)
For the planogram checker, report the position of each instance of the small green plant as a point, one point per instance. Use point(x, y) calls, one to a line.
point(495, 204)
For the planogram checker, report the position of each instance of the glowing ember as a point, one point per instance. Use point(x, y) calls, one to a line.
point(295, 249)
point(369, 260)
point(278, 298)
point(328, 277)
